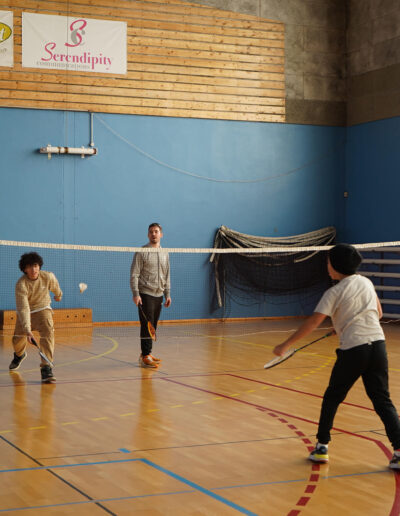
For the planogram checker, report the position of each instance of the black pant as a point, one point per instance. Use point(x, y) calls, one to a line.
point(370, 362)
point(152, 308)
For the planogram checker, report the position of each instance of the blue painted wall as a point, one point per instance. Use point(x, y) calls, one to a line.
point(145, 171)
point(373, 182)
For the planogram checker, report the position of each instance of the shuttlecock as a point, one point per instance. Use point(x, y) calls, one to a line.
point(82, 287)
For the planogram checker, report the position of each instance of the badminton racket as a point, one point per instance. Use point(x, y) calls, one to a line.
point(278, 360)
point(150, 327)
point(33, 341)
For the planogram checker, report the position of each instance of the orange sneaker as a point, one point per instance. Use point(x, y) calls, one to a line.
point(147, 361)
point(155, 359)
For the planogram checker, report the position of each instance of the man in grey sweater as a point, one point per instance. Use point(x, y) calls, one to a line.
point(150, 282)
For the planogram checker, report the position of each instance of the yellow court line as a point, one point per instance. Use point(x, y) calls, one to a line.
point(111, 350)
point(267, 346)
point(264, 346)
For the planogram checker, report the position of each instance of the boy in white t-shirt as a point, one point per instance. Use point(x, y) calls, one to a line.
point(355, 311)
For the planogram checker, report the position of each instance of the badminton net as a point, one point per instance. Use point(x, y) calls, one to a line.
point(207, 285)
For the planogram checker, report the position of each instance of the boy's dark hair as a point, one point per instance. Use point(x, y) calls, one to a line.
point(30, 259)
point(155, 225)
point(345, 259)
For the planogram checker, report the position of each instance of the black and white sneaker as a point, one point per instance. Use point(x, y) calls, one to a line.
point(16, 361)
point(319, 454)
point(395, 462)
point(47, 374)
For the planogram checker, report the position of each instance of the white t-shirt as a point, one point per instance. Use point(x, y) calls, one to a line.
point(352, 306)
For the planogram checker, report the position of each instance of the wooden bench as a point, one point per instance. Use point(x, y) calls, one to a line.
point(63, 318)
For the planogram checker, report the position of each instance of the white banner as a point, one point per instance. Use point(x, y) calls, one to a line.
point(6, 38)
point(78, 44)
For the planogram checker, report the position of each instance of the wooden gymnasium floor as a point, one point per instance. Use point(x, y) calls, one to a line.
point(210, 433)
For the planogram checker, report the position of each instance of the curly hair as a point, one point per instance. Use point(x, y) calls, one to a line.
point(30, 259)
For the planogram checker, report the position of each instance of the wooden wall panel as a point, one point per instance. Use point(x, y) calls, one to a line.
point(184, 60)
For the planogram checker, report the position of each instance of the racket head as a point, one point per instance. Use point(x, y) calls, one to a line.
point(151, 330)
point(42, 354)
point(150, 327)
point(46, 359)
point(278, 360)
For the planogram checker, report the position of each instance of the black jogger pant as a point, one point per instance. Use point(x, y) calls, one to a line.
point(370, 362)
point(152, 308)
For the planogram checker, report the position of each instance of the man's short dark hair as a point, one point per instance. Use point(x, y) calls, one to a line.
point(30, 259)
point(155, 225)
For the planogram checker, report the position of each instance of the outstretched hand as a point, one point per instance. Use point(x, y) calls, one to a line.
point(281, 349)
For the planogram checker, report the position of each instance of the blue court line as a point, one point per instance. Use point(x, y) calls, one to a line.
point(100, 500)
point(388, 470)
point(122, 498)
point(238, 486)
point(294, 480)
point(61, 466)
point(144, 461)
point(199, 488)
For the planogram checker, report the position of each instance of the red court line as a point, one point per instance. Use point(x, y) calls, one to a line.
point(303, 500)
point(395, 511)
point(296, 390)
point(315, 467)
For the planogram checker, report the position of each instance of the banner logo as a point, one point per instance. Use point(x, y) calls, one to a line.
point(76, 34)
point(6, 39)
point(5, 32)
point(91, 46)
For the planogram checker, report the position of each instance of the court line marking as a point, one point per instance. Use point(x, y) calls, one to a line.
point(281, 413)
point(187, 491)
point(277, 386)
point(98, 500)
point(56, 475)
point(311, 482)
point(152, 464)
point(232, 339)
point(111, 350)
point(396, 502)
point(230, 397)
point(199, 488)
point(66, 466)
point(234, 375)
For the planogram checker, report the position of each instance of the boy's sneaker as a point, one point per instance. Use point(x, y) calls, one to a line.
point(16, 361)
point(319, 454)
point(47, 374)
point(147, 361)
point(395, 462)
